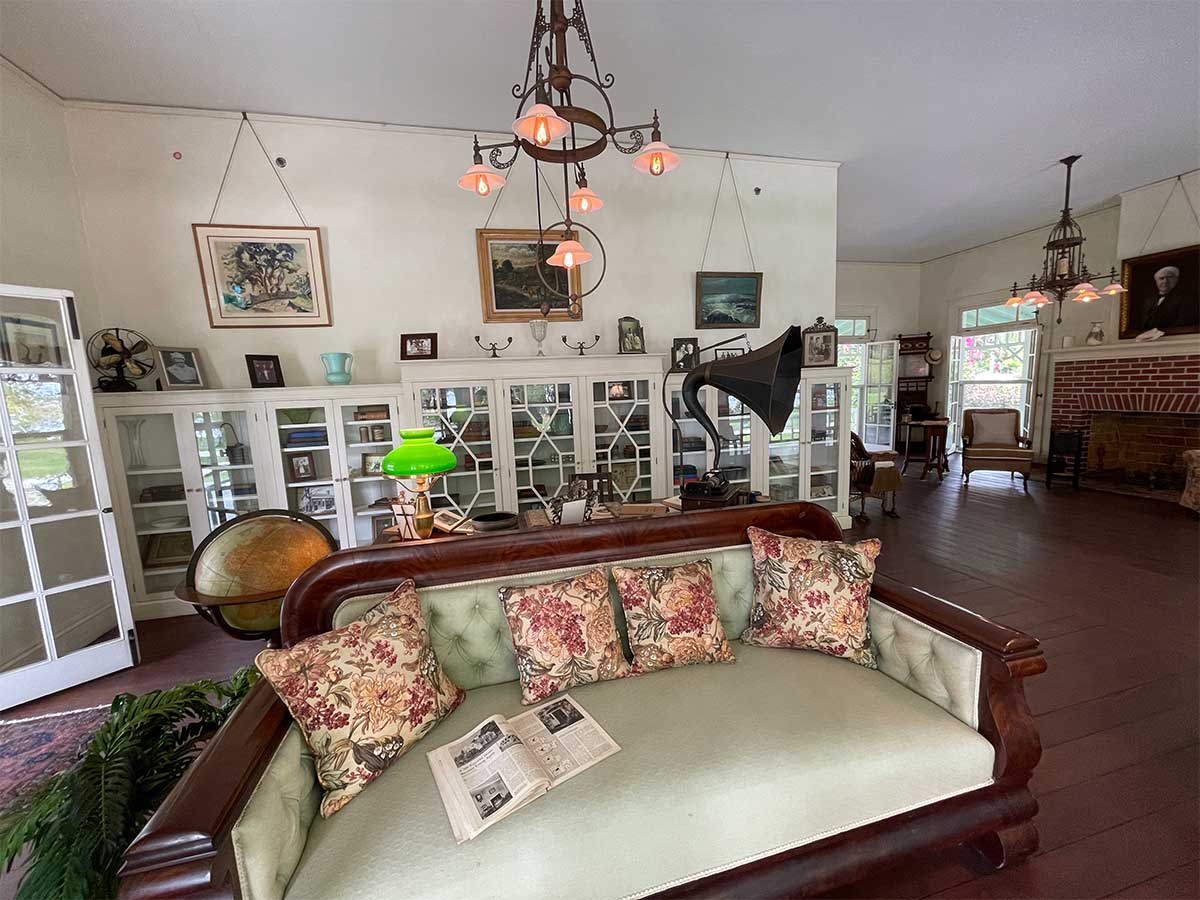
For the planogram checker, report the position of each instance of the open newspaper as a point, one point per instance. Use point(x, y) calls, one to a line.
point(504, 764)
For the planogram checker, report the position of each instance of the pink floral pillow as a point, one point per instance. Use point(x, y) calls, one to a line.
point(363, 694)
point(564, 634)
point(812, 595)
point(672, 616)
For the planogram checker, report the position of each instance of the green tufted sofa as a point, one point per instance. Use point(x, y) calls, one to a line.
point(784, 773)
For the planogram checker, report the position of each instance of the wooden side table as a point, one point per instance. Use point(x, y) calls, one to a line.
point(935, 446)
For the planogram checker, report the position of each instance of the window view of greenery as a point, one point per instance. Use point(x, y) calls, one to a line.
point(996, 369)
point(38, 411)
point(854, 355)
point(983, 316)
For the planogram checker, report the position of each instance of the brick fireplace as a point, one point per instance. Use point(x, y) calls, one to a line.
point(1137, 413)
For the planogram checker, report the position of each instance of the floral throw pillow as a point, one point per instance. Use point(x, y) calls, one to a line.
point(564, 634)
point(812, 595)
point(672, 616)
point(363, 694)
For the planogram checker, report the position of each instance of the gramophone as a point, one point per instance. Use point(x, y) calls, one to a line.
point(765, 380)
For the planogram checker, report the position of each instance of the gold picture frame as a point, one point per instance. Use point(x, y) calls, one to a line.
point(525, 287)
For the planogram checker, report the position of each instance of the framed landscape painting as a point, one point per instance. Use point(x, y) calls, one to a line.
point(728, 299)
point(508, 278)
point(262, 276)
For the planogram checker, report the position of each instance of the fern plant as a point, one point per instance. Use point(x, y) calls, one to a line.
point(78, 823)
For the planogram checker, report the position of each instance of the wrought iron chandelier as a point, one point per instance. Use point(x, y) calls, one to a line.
point(1065, 274)
point(582, 135)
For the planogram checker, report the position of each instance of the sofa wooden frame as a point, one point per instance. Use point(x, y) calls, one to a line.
point(186, 850)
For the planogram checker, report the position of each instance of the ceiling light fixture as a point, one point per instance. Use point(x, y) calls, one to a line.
point(584, 135)
point(1065, 274)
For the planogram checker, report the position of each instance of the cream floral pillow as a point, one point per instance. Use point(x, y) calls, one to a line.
point(363, 694)
point(564, 634)
point(672, 616)
point(812, 595)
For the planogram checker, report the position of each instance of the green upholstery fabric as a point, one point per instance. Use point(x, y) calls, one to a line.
point(720, 765)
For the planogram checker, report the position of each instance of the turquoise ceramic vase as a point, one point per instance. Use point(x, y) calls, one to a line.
point(337, 367)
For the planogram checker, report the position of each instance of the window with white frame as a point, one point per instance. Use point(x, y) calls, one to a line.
point(853, 328)
point(992, 314)
point(853, 334)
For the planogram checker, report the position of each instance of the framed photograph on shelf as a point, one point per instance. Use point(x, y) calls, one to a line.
point(1162, 291)
point(630, 338)
point(419, 345)
point(372, 464)
point(728, 299)
point(684, 354)
point(166, 550)
point(380, 524)
point(511, 289)
point(258, 276)
point(317, 500)
point(31, 341)
point(265, 371)
point(180, 368)
point(820, 345)
point(302, 466)
point(728, 354)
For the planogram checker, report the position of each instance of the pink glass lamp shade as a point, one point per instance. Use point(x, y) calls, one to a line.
point(1115, 289)
point(1037, 298)
point(569, 254)
point(1014, 300)
point(480, 179)
point(656, 158)
point(541, 125)
point(1086, 297)
point(584, 200)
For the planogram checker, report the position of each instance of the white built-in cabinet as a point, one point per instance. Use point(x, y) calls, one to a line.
point(182, 463)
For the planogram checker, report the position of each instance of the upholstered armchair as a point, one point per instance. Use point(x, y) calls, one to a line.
point(992, 442)
point(873, 475)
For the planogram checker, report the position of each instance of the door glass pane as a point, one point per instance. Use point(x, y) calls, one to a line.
point(8, 489)
point(303, 435)
point(733, 424)
point(783, 462)
point(81, 617)
point(621, 412)
point(461, 419)
point(690, 438)
point(14, 563)
point(226, 463)
point(69, 550)
point(21, 641)
point(824, 449)
point(56, 480)
point(543, 429)
point(42, 408)
point(32, 333)
point(369, 428)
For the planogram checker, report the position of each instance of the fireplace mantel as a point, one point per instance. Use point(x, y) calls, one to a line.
point(1185, 345)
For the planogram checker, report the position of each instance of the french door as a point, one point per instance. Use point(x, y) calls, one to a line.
point(879, 394)
point(990, 371)
point(64, 608)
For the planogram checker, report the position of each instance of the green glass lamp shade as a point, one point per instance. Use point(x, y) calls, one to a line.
point(418, 455)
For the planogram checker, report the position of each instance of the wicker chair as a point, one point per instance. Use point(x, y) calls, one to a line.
point(868, 478)
point(992, 442)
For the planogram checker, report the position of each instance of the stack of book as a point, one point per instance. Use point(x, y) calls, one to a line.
point(307, 437)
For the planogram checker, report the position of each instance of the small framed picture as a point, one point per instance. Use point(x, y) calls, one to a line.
point(630, 338)
point(420, 345)
point(30, 341)
point(820, 346)
point(728, 299)
point(173, 549)
point(380, 524)
point(372, 463)
point(727, 354)
point(317, 500)
point(265, 371)
point(180, 367)
point(684, 355)
point(302, 466)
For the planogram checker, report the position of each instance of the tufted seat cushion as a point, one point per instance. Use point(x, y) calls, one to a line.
point(720, 765)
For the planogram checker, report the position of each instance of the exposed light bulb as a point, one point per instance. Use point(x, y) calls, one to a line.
point(584, 204)
point(656, 163)
point(568, 260)
point(541, 131)
point(482, 188)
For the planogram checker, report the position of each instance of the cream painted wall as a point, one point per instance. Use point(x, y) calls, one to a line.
point(41, 236)
point(890, 293)
point(400, 237)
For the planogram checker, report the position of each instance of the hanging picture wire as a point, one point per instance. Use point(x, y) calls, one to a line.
point(727, 164)
point(245, 120)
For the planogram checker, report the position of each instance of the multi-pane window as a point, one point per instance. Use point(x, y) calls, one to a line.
point(996, 314)
point(855, 328)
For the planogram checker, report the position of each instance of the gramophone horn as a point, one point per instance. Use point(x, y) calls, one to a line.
point(765, 380)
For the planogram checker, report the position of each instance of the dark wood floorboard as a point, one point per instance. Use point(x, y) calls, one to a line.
point(1110, 585)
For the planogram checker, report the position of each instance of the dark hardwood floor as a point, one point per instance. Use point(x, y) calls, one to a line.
point(1107, 582)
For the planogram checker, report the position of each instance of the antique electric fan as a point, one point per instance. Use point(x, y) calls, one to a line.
point(123, 353)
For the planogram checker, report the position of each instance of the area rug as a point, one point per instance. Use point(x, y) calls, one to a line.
point(35, 748)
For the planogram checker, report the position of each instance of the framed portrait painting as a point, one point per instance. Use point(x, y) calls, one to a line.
point(262, 276)
point(1162, 292)
point(728, 299)
point(511, 289)
point(180, 368)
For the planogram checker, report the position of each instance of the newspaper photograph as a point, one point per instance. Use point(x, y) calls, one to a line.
point(501, 764)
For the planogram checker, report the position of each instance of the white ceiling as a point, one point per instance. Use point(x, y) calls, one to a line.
point(948, 115)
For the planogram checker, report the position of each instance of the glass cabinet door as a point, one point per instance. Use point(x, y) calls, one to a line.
point(368, 432)
point(461, 417)
point(62, 600)
point(158, 503)
point(825, 412)
point(734, 421)
point(543, 420)
point(223, 442)
point(621, 440)
point(311, 477)
point(690, 449)
point(784, 456)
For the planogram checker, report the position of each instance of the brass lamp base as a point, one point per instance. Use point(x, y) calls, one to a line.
point(423, 516)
